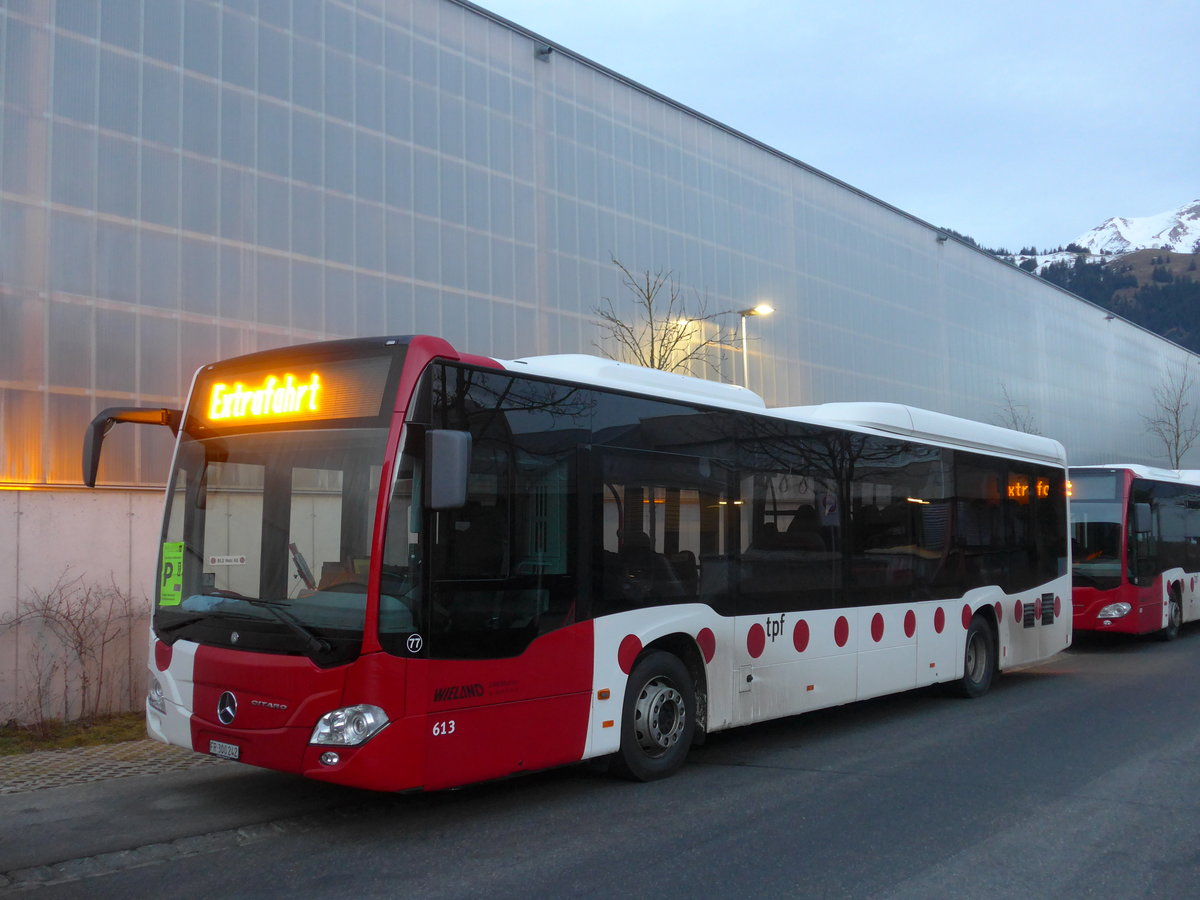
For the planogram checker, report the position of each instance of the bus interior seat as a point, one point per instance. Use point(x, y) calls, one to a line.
point(686, 570)
point(803, 532)
point(768, 537)
point(642, 564)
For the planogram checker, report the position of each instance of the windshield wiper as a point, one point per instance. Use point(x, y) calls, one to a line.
point(311, 641)
point(175, 626)
point(192, 620)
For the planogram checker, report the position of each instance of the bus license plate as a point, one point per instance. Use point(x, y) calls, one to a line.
point(225, 751)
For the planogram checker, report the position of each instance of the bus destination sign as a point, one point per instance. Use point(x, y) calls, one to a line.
point(276, 398)
point(330, 389)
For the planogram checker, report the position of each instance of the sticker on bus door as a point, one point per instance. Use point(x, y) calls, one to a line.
point(170, 577)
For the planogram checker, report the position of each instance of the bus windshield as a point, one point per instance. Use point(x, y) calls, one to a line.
point(1096, 543)
point(267, 541)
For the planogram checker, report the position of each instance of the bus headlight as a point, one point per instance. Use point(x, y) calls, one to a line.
point(1114, 611)
point(349, 726)
point(154, 695)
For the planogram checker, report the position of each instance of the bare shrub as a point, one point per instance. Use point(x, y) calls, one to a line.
point(81, 632)
point(40, 668)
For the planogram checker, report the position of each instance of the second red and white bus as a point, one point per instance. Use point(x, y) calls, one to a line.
point(389, 564)
point(1136, 549)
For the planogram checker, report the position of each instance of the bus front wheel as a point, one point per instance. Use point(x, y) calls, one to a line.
point(1174, 618)
point(979, 662)
point(658, 718)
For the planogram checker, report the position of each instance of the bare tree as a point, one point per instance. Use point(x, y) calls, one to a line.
point(1015, 415)
point(1175, 420)
point(663, 333)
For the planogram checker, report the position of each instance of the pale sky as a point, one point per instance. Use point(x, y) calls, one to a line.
point(1017, 123)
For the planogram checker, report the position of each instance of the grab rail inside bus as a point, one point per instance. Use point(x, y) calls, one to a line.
point(106, 419)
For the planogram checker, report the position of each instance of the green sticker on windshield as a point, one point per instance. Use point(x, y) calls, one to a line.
point(170, 577)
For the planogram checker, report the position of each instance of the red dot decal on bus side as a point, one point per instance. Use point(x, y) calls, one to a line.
point(707, 642)
point(1018, 611)
point(999, 612)
point(162, 655)
point(1037, 611)
point(841, 631)
point(910, 623)
point(1057, 607)
point(628, 653)
point(877, 627)
point(966, 616)
point(939, 620)
point(800, 636)
point(756, 640)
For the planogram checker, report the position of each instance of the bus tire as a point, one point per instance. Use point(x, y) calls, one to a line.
point(658, 718)
point(1174, 618)
point(979, 660)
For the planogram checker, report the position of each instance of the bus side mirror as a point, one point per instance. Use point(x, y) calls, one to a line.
point(447, 464)
point(1143, 519)
point(106, 419)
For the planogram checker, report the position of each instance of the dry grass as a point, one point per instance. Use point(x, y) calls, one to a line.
point(57, 735)
point(1141, 265)
point(1142, 262)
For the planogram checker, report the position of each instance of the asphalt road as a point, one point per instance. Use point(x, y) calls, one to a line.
point(1080, 777)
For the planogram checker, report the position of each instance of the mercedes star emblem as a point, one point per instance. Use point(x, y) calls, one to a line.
point(226, 707)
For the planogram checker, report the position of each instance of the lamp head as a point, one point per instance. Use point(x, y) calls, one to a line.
point(763, 309)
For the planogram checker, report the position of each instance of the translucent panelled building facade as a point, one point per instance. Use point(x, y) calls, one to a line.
point(184, 180)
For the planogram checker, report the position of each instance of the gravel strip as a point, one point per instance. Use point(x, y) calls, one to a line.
point(55, 768)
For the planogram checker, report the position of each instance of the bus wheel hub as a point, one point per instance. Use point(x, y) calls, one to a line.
point(659, 716)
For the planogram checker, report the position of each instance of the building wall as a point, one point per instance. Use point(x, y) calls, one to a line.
point(185, 180)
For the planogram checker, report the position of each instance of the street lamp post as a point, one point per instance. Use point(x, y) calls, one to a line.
point(763, 309)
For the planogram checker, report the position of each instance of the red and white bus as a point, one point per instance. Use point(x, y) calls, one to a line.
point(1136, 549)
point(392, 565)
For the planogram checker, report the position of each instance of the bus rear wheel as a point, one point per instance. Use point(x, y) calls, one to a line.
point(658, 718)
point(979, 661)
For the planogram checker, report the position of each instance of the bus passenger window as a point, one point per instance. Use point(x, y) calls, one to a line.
point(791, 533)
point(660, 545)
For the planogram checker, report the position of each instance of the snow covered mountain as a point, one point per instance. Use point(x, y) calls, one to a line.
point(1177, 230)
point(1142, 270)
